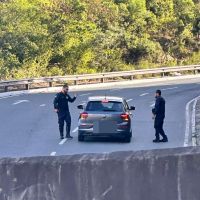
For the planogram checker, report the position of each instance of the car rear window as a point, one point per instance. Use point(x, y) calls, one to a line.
point(111, 106)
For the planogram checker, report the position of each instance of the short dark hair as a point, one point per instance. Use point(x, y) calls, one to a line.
point(65, 85)
point(158, 92)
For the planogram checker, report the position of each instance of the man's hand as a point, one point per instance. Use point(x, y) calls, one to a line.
point(56, 110)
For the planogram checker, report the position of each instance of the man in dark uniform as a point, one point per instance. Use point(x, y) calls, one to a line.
point(62, 109)
point(159, 115)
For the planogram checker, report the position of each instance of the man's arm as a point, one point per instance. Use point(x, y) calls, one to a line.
point(71, 100)
point(55, 102)
point(153, 111)
point(157, 107)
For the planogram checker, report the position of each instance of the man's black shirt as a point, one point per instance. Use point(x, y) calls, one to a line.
point(61, 103)
point(159, 109)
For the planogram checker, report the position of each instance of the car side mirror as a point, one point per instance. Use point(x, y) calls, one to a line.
point(132, 108)
point(80, 107)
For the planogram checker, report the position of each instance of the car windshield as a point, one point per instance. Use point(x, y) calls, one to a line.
point(110, 106)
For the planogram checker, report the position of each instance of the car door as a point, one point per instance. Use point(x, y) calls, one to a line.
point(126, 106)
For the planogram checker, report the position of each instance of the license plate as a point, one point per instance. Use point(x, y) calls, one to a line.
point(105, 127)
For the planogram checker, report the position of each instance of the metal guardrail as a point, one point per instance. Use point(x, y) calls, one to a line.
point(103, 77)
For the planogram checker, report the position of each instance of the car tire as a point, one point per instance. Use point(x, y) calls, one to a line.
point(80, 138)
point(131, 134)
point(127, 139)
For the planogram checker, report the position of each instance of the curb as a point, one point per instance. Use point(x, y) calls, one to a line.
point(196, 131)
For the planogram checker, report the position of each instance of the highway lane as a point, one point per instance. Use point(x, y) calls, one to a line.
point(28, 125)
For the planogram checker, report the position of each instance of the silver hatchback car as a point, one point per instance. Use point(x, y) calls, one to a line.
point(105, 117)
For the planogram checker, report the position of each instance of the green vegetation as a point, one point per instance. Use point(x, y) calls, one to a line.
point(59, 37)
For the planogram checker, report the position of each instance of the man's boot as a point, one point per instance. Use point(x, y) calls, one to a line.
point(156, 141)
point(165, 139)
point(69, 137)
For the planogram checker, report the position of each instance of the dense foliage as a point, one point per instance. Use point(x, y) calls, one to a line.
point(58, 37)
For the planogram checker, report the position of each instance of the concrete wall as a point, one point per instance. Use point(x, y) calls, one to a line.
point(172, 174)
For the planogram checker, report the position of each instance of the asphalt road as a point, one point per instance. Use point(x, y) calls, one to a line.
point(28, 125)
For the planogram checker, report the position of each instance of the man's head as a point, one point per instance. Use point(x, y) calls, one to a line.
point(65, 88)
point(158, 93)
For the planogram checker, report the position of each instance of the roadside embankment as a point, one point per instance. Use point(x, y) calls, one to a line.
point(170, 174)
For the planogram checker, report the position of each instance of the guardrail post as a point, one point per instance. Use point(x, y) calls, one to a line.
point(27, 86)
point(103, 79)
point(195, 71)
point(163, 73)
point(76, 82)
point(132, 77)
point(50, 84)
point(6, 89)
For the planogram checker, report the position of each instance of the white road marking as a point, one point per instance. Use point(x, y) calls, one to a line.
point(189, 120)
point(82, 95)
point(75, 130)
point(115, 89)
point(129, 100)
point(10, 96)
point(103, 194)
point(20, 101)
point(187, 128)
point(144, 94)
point(53, 153)
point(42, 105)
point(172, 88)
point(107, 191)
point(62, 141)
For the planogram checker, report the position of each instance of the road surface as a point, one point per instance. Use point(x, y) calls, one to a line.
point(28, 125)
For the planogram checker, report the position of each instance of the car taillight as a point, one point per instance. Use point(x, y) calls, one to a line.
point(105, 101)
point(84, 115)
point(125, 117)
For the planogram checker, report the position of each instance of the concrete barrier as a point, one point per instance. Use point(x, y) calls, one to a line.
point(172, 174)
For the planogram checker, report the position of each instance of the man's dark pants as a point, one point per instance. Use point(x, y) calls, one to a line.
point(61, 121)
point(158, 125)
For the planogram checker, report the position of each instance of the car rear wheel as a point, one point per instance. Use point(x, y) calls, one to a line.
point(127, 139)
point(80, 138)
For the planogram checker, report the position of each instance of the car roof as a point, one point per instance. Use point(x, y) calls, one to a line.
point(109, 98)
